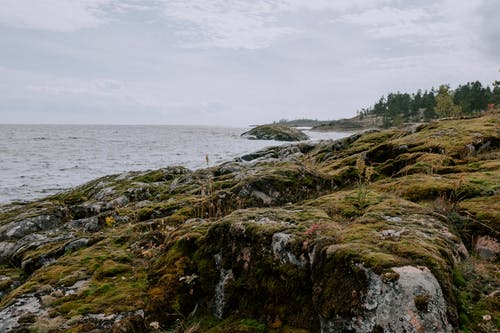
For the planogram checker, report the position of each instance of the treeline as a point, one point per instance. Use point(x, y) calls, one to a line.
point(397, 108)
point(304, 122)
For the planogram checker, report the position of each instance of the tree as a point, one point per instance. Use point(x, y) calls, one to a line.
point(444, 103)
point(495, 95)
point(416, 105)
point(429, 103)
point(472, 97)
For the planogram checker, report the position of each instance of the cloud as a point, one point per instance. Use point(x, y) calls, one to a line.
point(226, 23)
point(53, 15)
point(393, 22)
point(242, 24)
point(489, 29)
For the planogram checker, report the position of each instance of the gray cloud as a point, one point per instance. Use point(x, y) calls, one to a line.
point(54, 15)
point(234, 61)
point(489, 14)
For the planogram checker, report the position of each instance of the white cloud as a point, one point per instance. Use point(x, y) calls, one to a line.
point(294, 58)
point(245, 24)
point(53, 15)
point(226, 23)
point(334, 5)
point(393, 22)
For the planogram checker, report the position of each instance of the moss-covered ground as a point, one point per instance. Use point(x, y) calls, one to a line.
point(288, 234)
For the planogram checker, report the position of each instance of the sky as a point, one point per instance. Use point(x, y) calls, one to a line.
point(233, 62)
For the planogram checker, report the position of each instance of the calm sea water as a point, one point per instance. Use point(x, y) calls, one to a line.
point(39, 160)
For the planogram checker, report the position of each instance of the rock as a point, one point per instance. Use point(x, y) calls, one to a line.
point(279, 245)
point(286, 238)
point(414, 302)
point(76, 244)
point(275, 132)
point(117, 202)
point(21, 228)
point(90, 224)
point(133, 322)
point(487, 248)
point(7, 249)
point(12, 314)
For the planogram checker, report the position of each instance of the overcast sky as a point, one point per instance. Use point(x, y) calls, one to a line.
point(233, 62)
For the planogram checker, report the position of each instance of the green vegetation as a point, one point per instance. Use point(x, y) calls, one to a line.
point(280, 236)
point(467, 99)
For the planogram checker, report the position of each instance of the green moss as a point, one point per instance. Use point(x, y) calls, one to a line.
point(111, 268)
point(475, 296)
point(485, 210)
point(232, 324)
point(422, 302)
point(424, 184)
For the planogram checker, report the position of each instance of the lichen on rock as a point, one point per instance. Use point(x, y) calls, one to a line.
point(294, 238)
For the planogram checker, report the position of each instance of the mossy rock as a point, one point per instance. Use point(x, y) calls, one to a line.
point(275, 132)
point(292, 232)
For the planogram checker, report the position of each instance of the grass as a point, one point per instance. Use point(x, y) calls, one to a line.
point(384, 199)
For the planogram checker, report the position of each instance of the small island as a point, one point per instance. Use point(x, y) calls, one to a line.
point(275, 132)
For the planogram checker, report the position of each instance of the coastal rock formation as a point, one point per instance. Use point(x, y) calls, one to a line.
point(275, 132)
point(370, 233)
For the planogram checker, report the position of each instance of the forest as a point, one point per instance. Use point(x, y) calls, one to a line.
point(467, 99)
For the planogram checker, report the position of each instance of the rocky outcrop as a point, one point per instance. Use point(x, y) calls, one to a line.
point(371, 233)
point(275, 132)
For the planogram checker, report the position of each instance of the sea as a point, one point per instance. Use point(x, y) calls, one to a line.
point(41, 160)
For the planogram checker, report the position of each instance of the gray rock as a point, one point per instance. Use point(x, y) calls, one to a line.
point(117, 202)
point(7, 249)
point(412, 303)
point(76, 244)
point(25, 305)
point(19, 229)
point(281, 251)
point(90, 224)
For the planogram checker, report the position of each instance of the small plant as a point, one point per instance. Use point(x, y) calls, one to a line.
point(313, 230)
point(109, 221)
point(364, 176)
point(309, 162)
point(422, 302)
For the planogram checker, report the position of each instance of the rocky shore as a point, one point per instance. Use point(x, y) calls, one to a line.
point(386, 231)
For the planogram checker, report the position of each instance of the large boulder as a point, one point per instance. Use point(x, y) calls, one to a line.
point(275, 132)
